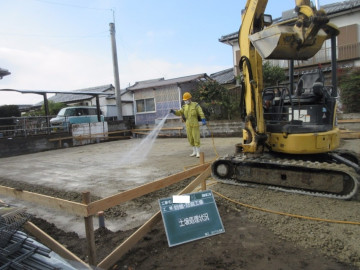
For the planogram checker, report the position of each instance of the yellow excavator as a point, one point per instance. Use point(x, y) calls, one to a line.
point(290, 138)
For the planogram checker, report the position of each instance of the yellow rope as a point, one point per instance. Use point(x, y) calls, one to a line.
point(287, 214)
point(213, 142)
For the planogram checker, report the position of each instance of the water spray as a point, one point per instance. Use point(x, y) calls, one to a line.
point(140, 152)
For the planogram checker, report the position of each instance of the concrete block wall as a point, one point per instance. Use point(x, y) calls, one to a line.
point(25, 145)
point(213, 128)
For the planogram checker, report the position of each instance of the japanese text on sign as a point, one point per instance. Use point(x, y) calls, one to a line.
point(194, 220)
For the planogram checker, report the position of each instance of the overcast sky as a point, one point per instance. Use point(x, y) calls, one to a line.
point(65, 44)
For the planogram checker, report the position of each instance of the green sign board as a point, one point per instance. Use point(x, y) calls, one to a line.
point(185, 222)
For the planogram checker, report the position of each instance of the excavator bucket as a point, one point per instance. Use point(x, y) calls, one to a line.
point(280, 42)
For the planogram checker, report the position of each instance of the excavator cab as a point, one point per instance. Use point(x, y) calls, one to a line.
point(308, 109)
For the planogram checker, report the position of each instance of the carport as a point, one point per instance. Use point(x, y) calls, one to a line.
point(46, 103)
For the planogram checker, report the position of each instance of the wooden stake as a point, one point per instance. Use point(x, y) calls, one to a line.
point(89, 230)
point(202, 161)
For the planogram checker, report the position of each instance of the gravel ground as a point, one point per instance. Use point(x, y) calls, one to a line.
point(340, 241)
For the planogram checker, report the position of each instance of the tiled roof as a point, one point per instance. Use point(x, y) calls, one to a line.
point(224, 76)
point(67, 97)
point(330, 9)
point(229, 37)
point(162, 82)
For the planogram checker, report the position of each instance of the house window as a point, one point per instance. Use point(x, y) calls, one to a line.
point(145, 105)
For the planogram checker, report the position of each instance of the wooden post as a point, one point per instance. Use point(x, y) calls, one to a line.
point(89, 230)
point(202, 161)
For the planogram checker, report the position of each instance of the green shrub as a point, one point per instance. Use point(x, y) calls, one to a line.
point(350, 91)
point(217, 102)
point(272, 75)
point(9, 111)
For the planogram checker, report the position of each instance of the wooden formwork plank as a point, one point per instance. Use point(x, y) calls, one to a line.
point(124, 247)
point(60, 139)
point(349, 121)
point(118, 137)
point(150, 129)
point(51, 243)
point(116, 199)
point(44, 200)
point(118, 131)
point(350, 135)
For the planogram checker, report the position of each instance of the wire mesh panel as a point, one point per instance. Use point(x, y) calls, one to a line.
point(17, 249)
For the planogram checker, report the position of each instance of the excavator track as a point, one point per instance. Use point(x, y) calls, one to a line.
point(323, 179)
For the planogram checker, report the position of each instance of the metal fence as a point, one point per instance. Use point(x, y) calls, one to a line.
point(25, 126)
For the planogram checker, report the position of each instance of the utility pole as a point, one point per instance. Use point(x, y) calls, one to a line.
point(116, 73)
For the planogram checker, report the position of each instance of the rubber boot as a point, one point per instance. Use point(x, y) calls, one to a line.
point(194, 152)
point(197, 152)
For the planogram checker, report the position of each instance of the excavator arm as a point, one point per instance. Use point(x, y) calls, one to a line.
point(251, 68)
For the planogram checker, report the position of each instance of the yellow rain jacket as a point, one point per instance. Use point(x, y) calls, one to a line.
point(191, 112)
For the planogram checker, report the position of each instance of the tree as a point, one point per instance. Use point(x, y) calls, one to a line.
point(54, 108)
point(9, 111)
point(272, 75)
point(215, 100)
point(350, 91)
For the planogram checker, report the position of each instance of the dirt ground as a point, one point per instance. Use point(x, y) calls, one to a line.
point(252, 240)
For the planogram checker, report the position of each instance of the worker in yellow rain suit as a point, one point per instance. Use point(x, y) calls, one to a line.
point(191, 111)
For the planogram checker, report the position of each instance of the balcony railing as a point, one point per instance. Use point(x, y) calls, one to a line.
point(344, 52)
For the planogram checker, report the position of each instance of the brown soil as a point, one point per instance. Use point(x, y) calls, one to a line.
point(244, 245)
point(252, 239)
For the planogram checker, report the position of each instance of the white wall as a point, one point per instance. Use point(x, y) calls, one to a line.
point(108, 106)
point(346, 19)
point(235, 48)
point(111, 111)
